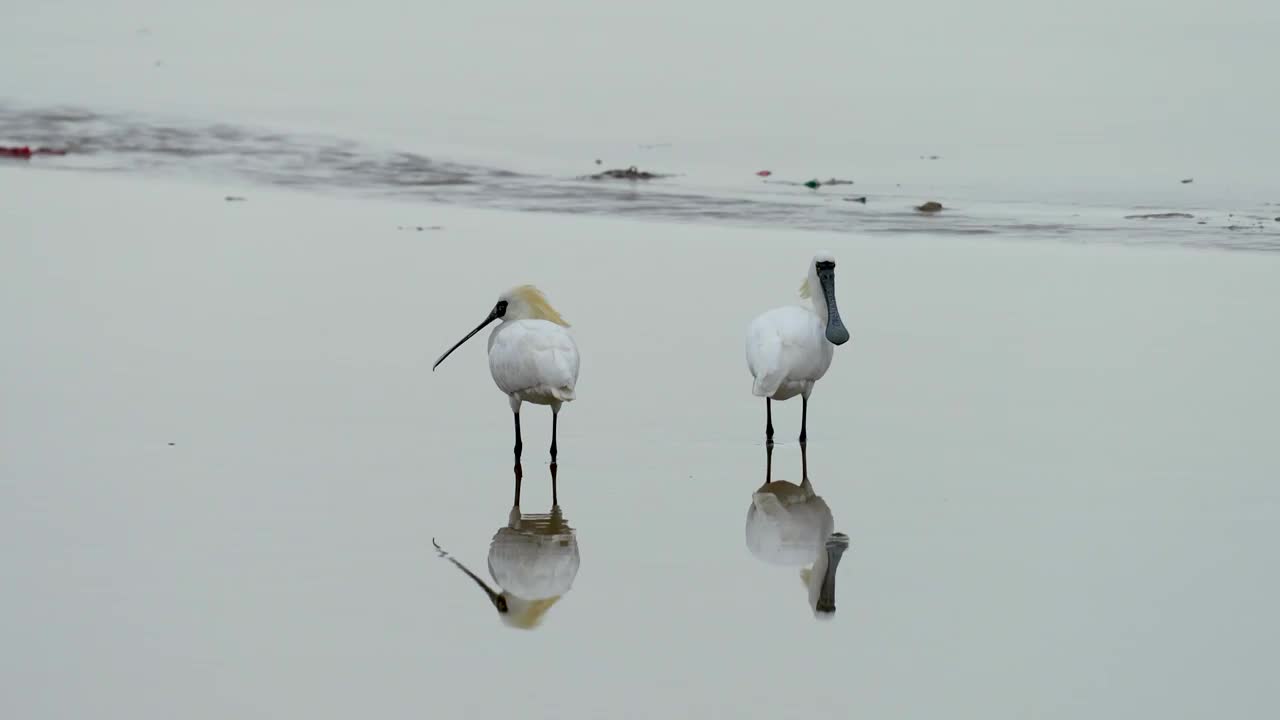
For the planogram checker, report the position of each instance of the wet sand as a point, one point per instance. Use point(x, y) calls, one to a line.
point(225, 456)
point(689, 190)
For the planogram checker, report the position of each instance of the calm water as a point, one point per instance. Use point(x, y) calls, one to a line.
point(225, 464)
point(1079, 214)
point(225, 460)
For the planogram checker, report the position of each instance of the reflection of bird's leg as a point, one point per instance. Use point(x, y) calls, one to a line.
point(555, 500)
point(804, 417)
point(804, 462)
point(519, 477)
point(768, 421)
point(519, 445)
point(555, 414)
point(768, 463)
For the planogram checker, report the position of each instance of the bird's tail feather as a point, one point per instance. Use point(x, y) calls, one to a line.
point(768, 382)
point(767, 503)
point(764, 358)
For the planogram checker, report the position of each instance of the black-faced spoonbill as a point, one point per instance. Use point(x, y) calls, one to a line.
point(532, 356)
point(790, 348)
point(788, 524)
point(533, 559)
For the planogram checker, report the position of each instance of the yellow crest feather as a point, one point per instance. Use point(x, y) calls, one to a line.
point(538, 306)
point(531, 616)
point(804, 289)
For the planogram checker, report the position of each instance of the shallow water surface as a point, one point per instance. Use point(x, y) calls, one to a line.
point(226, 458)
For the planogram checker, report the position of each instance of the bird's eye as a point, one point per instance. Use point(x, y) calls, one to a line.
point(502, 308)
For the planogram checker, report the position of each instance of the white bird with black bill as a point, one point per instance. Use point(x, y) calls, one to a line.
point(532, 356)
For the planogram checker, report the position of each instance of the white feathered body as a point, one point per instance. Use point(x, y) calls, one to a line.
point(787, 524)
point(533, 565)
point(534, 361)
point(787, 352)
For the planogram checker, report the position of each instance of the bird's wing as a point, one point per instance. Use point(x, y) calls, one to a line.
point(770, 341)
point(535, 353)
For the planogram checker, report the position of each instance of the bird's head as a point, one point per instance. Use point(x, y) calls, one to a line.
point(527, 302)
point(524, 302)
point(820, 580)
point(820, 287)
point(514, 611)
point(525, 614)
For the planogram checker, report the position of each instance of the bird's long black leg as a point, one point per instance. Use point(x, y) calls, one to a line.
point(555, 415)
point(804, 418)
point(768, 421)
point(555, 497)
point(804, 462)
point(519, 445)
point(768, 463)
point(519, 478)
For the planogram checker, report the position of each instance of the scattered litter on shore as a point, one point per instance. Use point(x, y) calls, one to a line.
point(23, 152)
point(815, 183)
point(860, 199)
point(1160, 216)
point(930, 207)
point(419, 228)
point(1259, 224)
point(631, 173)
point(235, 198)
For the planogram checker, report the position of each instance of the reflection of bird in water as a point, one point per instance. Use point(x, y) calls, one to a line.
point(787, 524)
point(532, 356)
point(790, 348)
point(533, 559)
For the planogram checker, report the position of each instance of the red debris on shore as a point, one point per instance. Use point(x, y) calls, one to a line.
point(26, 151)
point(765, 173)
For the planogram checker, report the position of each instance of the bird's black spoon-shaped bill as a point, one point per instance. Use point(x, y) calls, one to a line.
point(837, 334)
point(498, 311)
point(497, 599)
point(836, 545)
